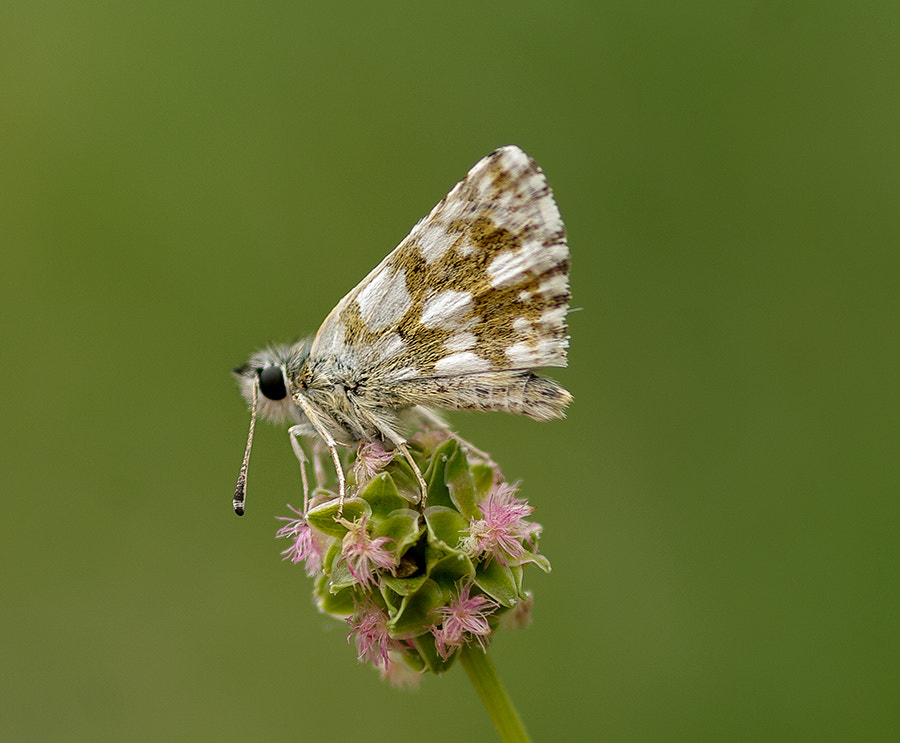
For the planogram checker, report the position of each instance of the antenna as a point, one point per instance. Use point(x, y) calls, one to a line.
point(240, 489)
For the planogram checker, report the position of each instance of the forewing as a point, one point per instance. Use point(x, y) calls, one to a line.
point(479, 286)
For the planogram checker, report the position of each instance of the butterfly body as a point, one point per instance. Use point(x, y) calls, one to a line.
point(456, 317)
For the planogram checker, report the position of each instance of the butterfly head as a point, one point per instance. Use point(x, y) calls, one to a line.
point(266, 377)
point(265, 384)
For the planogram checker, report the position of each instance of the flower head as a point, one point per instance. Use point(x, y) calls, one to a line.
point(368, 626)
point(364, 554)
point(502, 531)
point(465, 617)
point(306, 547)
point(390, 562)
point(371, 458)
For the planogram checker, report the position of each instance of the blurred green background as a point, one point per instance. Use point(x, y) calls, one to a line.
point(181, 183)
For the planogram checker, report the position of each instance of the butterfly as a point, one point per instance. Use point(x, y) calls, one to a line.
point(457, 317)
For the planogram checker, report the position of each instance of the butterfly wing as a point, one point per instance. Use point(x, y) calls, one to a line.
point(465, 307)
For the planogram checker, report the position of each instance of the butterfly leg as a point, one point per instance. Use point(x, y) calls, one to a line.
point(318, 467)
point(386, 427)
point(423, 487)
point(321, 431)
point(342, 481)
point(295, 433)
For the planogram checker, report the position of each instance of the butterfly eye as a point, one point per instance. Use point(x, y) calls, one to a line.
point(271, 383)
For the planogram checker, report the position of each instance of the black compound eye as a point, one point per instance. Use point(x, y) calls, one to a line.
point(271, 383)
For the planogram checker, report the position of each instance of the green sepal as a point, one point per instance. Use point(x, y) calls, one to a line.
point(438, 492)
point(413, 661)
point(324, 517)
point(403, 586)
point(483, 477)
point(340, 576)
point(402, 526)
point(460, 482)
point(542, 562)
point(331, 556)
point(421, 595)
point(427, 651)
point(445, 527)
point(416, 611)
point(450, 571)
point(497, 582)
point(392, 601)
point(517, 575)
point(406, 481)
point(382, 495)
point(340, 604)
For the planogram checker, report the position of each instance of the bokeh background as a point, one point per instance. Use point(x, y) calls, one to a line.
point(181, 183)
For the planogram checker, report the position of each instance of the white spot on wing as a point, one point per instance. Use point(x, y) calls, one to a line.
point(550, 213)
point(513, 158)
point(553, 318)
point(460, 342)
point(434, 241)
point(548, 352)
point(554, 286)
point(400, 375)
point(384, 300)
point(464, 362)
point(557, 252)
point(330, 337)
point(521, 355)
point(521, 325)
point(466, 247)
point(507, 268)
point(390, 346)
point(511, 267)
point(446, 309)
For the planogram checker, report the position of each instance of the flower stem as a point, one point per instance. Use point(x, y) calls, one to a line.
point(484, 678)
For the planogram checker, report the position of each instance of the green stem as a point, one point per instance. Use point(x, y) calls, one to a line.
point(484, 678)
